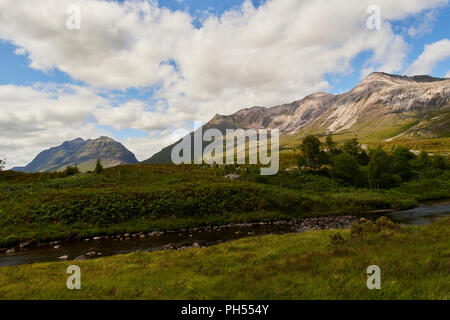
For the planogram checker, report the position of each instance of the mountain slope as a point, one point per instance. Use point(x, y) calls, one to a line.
point(380, 107)
point(83, 153)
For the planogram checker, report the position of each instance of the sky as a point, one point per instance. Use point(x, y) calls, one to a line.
point(144, 71)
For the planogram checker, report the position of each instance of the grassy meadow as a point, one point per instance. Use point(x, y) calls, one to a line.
point(414, 263)
point(134, 198)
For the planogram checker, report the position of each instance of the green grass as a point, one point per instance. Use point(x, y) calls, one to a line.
point(414, 264)
point(145, 198)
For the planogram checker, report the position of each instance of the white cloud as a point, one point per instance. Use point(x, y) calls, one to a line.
point(430, 57)
point(35, 118)
point(143, 147)
point(447, 75)
point(20, 52)
point(425, 26)
point(268, 55)
point(118, 46)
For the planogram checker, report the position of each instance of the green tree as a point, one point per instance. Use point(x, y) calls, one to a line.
point(423, 161)
point(401, 162)
point(2, 164)
point(71, 170)
point(363, 158)
point(301, 161)
point(439, 162)
point(379, 165)
point(352, 147)
point(331, 146)
point(98, 167)
point(389, 180)
point(311, 150)
point(346, 168)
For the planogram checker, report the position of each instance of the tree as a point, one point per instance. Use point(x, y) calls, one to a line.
point(98, 167)
point(311, 150)
point(439, 162)
point(380, 170)
point(363, 158)
point(423, 161)
point(331, 146)
point(71, 170)
point(352, 147)
point(401, 162)
point(2, 164)
point(346, 169)
point(389, 180)
point(301, 162)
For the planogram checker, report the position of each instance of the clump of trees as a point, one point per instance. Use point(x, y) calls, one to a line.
point(353, 165)
point(2, 164)
point(71, 170)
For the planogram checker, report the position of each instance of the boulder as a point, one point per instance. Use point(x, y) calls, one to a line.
point(232, 176)
point(27, 244)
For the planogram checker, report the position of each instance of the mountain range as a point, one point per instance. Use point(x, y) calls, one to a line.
point(83, 153)
point(381, 107)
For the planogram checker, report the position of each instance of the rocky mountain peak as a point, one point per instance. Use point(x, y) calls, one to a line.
point(379, 104)
point(83, 153)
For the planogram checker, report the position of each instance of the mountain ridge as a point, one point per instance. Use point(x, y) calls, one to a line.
point(80, 152)
point(376, 108)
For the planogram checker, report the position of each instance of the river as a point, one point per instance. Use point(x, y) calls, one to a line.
point(208, 236)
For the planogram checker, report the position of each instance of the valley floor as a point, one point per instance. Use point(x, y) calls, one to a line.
point(414, 263)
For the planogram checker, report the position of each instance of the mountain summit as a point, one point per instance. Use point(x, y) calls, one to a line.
point(382, 106)
point(83, 153)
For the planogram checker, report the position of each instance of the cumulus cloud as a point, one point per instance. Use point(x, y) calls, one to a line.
point(276, 53)
point(35, 118)
point(430, 57)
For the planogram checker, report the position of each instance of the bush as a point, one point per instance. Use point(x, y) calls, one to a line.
point(365, 229)
point(71, 170)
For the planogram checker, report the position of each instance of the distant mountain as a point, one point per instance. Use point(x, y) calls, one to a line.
point(381, 107)
point(83, 153)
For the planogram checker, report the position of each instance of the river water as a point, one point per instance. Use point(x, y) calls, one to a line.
point(204, 237)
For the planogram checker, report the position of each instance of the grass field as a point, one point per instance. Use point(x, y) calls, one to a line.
point(145, 198)
point(414, 263)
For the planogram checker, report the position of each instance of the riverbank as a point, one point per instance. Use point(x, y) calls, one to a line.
point(162, 240)
point(303, 206)
point(310, 265)
point(76, 208)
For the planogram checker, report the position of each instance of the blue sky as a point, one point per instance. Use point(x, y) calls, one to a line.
point(140, 81)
